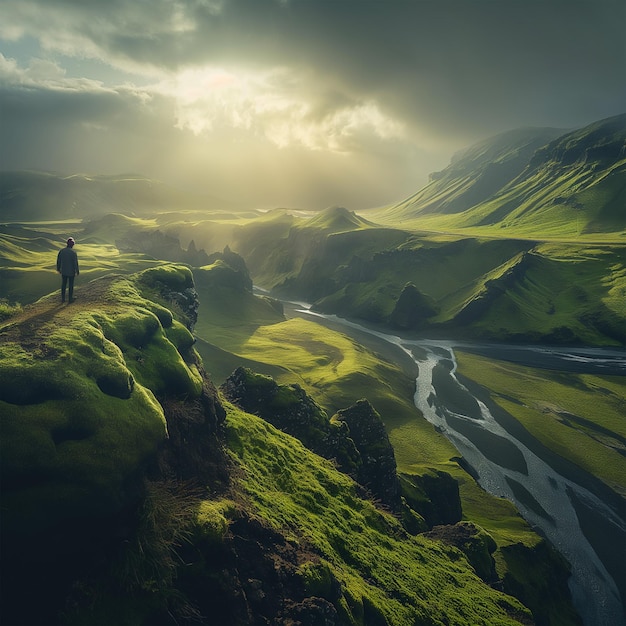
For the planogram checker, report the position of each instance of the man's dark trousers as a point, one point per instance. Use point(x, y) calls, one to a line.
point(67, 281)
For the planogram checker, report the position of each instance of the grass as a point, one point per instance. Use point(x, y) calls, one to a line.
point(28, 259)
point(337, 372)
point(382, 571)
point(78, 385)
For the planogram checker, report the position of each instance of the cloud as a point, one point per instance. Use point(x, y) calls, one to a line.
point(275, 105)
point(368, 95)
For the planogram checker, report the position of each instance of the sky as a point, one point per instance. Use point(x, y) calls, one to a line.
point(295, 103)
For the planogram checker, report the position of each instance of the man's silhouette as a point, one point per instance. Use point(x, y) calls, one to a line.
point(67, 266)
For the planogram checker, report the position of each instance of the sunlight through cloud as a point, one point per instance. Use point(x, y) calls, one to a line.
point(269, 105)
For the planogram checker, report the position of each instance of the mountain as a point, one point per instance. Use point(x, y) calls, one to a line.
point(30, 195)
point(477, 173)
point(136, 492)
point(538, 182)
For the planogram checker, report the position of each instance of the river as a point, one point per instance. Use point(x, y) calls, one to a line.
point(555, 497)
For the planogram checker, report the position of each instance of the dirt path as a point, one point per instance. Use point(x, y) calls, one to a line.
point(31, 324)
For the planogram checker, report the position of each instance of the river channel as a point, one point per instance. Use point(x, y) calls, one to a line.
point(557, 499)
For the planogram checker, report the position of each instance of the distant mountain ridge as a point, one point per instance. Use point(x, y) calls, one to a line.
point(532, 181)
point(32, 195)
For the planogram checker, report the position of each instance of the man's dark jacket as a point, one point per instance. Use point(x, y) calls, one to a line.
point(67, 262)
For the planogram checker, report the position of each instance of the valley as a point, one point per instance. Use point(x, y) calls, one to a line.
point(482, 319)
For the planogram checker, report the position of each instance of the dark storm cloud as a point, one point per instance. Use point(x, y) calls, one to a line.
point(68, 130)
point(361, 97)
point(453, 64)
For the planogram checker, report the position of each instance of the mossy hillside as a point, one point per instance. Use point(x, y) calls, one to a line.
point(225, 304)
point(300, 259)
point(561, 294)
point(115, 226)
point(253, 231)
point(565, 205)
point(562, 291)
point(571, 186)
point(338, 372)
point(383, 571)
point(496, 289)
point(77, 389)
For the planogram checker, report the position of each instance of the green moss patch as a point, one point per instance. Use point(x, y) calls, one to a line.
point(78, 387)
point(382, 571)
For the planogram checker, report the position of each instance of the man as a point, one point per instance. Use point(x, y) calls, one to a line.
point(67, 266)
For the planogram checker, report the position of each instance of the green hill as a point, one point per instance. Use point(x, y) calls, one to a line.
point(476, 173)
point(529, 183)
point(337, 219)
point(499, 289)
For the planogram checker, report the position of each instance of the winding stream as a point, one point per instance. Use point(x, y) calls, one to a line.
point(549, 500)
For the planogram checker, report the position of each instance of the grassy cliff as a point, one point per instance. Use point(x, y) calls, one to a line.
point(133, 495)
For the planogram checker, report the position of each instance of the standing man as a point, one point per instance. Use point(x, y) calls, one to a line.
point(67, 266)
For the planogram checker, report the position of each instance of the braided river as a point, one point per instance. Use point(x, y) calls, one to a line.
point(557, 499)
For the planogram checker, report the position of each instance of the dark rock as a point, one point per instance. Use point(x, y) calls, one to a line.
point(229, 270)
point(289, 408)
point(434, 495)
point(412, 309)
point(474, 542)
point(378, 469)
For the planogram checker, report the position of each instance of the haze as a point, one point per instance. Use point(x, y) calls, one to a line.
point(298, 103)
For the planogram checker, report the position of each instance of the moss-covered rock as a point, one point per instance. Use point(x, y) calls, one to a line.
point(291, 409)
point(378, 461)
point(412, 309)
point(227, 269)
point(434, 494)
point(477, 545)
point(82, 394)
point(538, 576)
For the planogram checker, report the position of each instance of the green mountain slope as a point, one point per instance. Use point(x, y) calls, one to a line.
point(509, 289)
point(572, 185)
point(476, 174)
point(124, 503)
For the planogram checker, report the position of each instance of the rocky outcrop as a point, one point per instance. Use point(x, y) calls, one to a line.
point(228, 269)
point(538, 576)
point(175, 291)
point(494, 288)
point(377, 471)
point(435, 494)
point(355, 437)
point(477, 545)
point(292, 410)
point(118, 397)
point(412, 309)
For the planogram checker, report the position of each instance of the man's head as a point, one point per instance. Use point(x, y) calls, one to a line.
point(70, 242)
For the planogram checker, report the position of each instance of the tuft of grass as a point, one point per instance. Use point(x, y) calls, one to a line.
point(8, 309)
point(150, 559)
